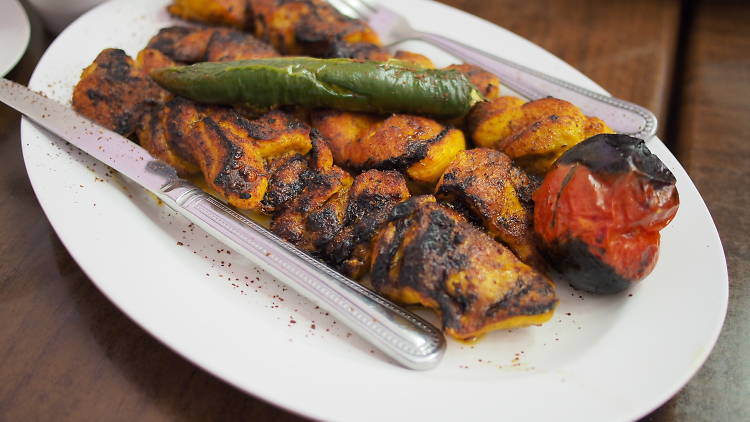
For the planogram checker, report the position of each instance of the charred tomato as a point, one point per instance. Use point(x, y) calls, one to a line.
point(599, 211)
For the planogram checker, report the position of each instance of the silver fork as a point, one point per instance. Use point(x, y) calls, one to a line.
point(622, 116)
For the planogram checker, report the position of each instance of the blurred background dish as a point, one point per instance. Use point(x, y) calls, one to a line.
point(14, 34)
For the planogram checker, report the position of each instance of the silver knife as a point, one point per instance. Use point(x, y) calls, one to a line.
point(403, 336)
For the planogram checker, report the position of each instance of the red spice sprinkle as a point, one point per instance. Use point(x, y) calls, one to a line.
point(180, 243)
point(291, 321)
point(312, 326)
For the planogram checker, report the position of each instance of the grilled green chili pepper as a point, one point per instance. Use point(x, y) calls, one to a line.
point(382, 87)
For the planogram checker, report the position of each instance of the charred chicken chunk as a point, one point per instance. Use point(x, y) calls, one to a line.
point(306, 26)
point(192, 45)
point(301, 219)
point(163, 131)
point(489, 122)
point(114, 92)
point(533, 134)
point(217, 12)
point(232, 151)
point(429, 255)
point(150, 59)
point(599, 211)
point(369, 202)
point(486, 187)
point(292, 26)
point(415, 58)
point(418, 146)
point(487, 83)
point(181, 43)
point(226, 45)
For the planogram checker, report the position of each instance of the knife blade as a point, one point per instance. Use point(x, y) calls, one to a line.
point(402, 335)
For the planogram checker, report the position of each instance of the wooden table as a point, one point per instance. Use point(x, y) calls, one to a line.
point(66, 353)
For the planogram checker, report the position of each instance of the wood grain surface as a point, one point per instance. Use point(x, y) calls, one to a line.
point(714, 147)
point(66, 353)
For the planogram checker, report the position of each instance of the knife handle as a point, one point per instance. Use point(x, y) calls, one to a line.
point(405, 337)
point(622, 116)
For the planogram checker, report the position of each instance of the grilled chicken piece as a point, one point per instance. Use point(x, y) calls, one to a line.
point(217, 12)
point(418, 146)
point(232, 151)
point(181, 43)
point(306, 26)
point(416, 58)
point(489, 122)
point(487, 83)
point(485, 186)
point(298, 217)
point(310, 27)
point(595, 126)
point(369, 202)
point(192, 45)
point(150, 59)
point(163, 131)
point(226, 45)
point(321, 209)
point(360, 51)
point(429, 255)
point(533, 134)
point(114, 92)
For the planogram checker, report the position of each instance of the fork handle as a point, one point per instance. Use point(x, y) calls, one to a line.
point(622, 116)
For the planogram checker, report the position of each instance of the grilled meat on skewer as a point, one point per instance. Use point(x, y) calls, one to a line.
point(292, 26)
point(230, 150)
point(429, 255)
point(533, 134)
point(114, 92)
point(487, 188)
point(191, 45)
point(267, 164)
point(319, 190)
point(416, 252)
point(234, 13)
point(418, 146)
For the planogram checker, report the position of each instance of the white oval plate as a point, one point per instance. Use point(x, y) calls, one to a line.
point(15, 32)
point(600, 358)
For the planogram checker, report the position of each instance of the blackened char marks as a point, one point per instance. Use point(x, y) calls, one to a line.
point(286, 183)
point(177, 122)
point(415, 152)
point(232, 175)
point(166, 39)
